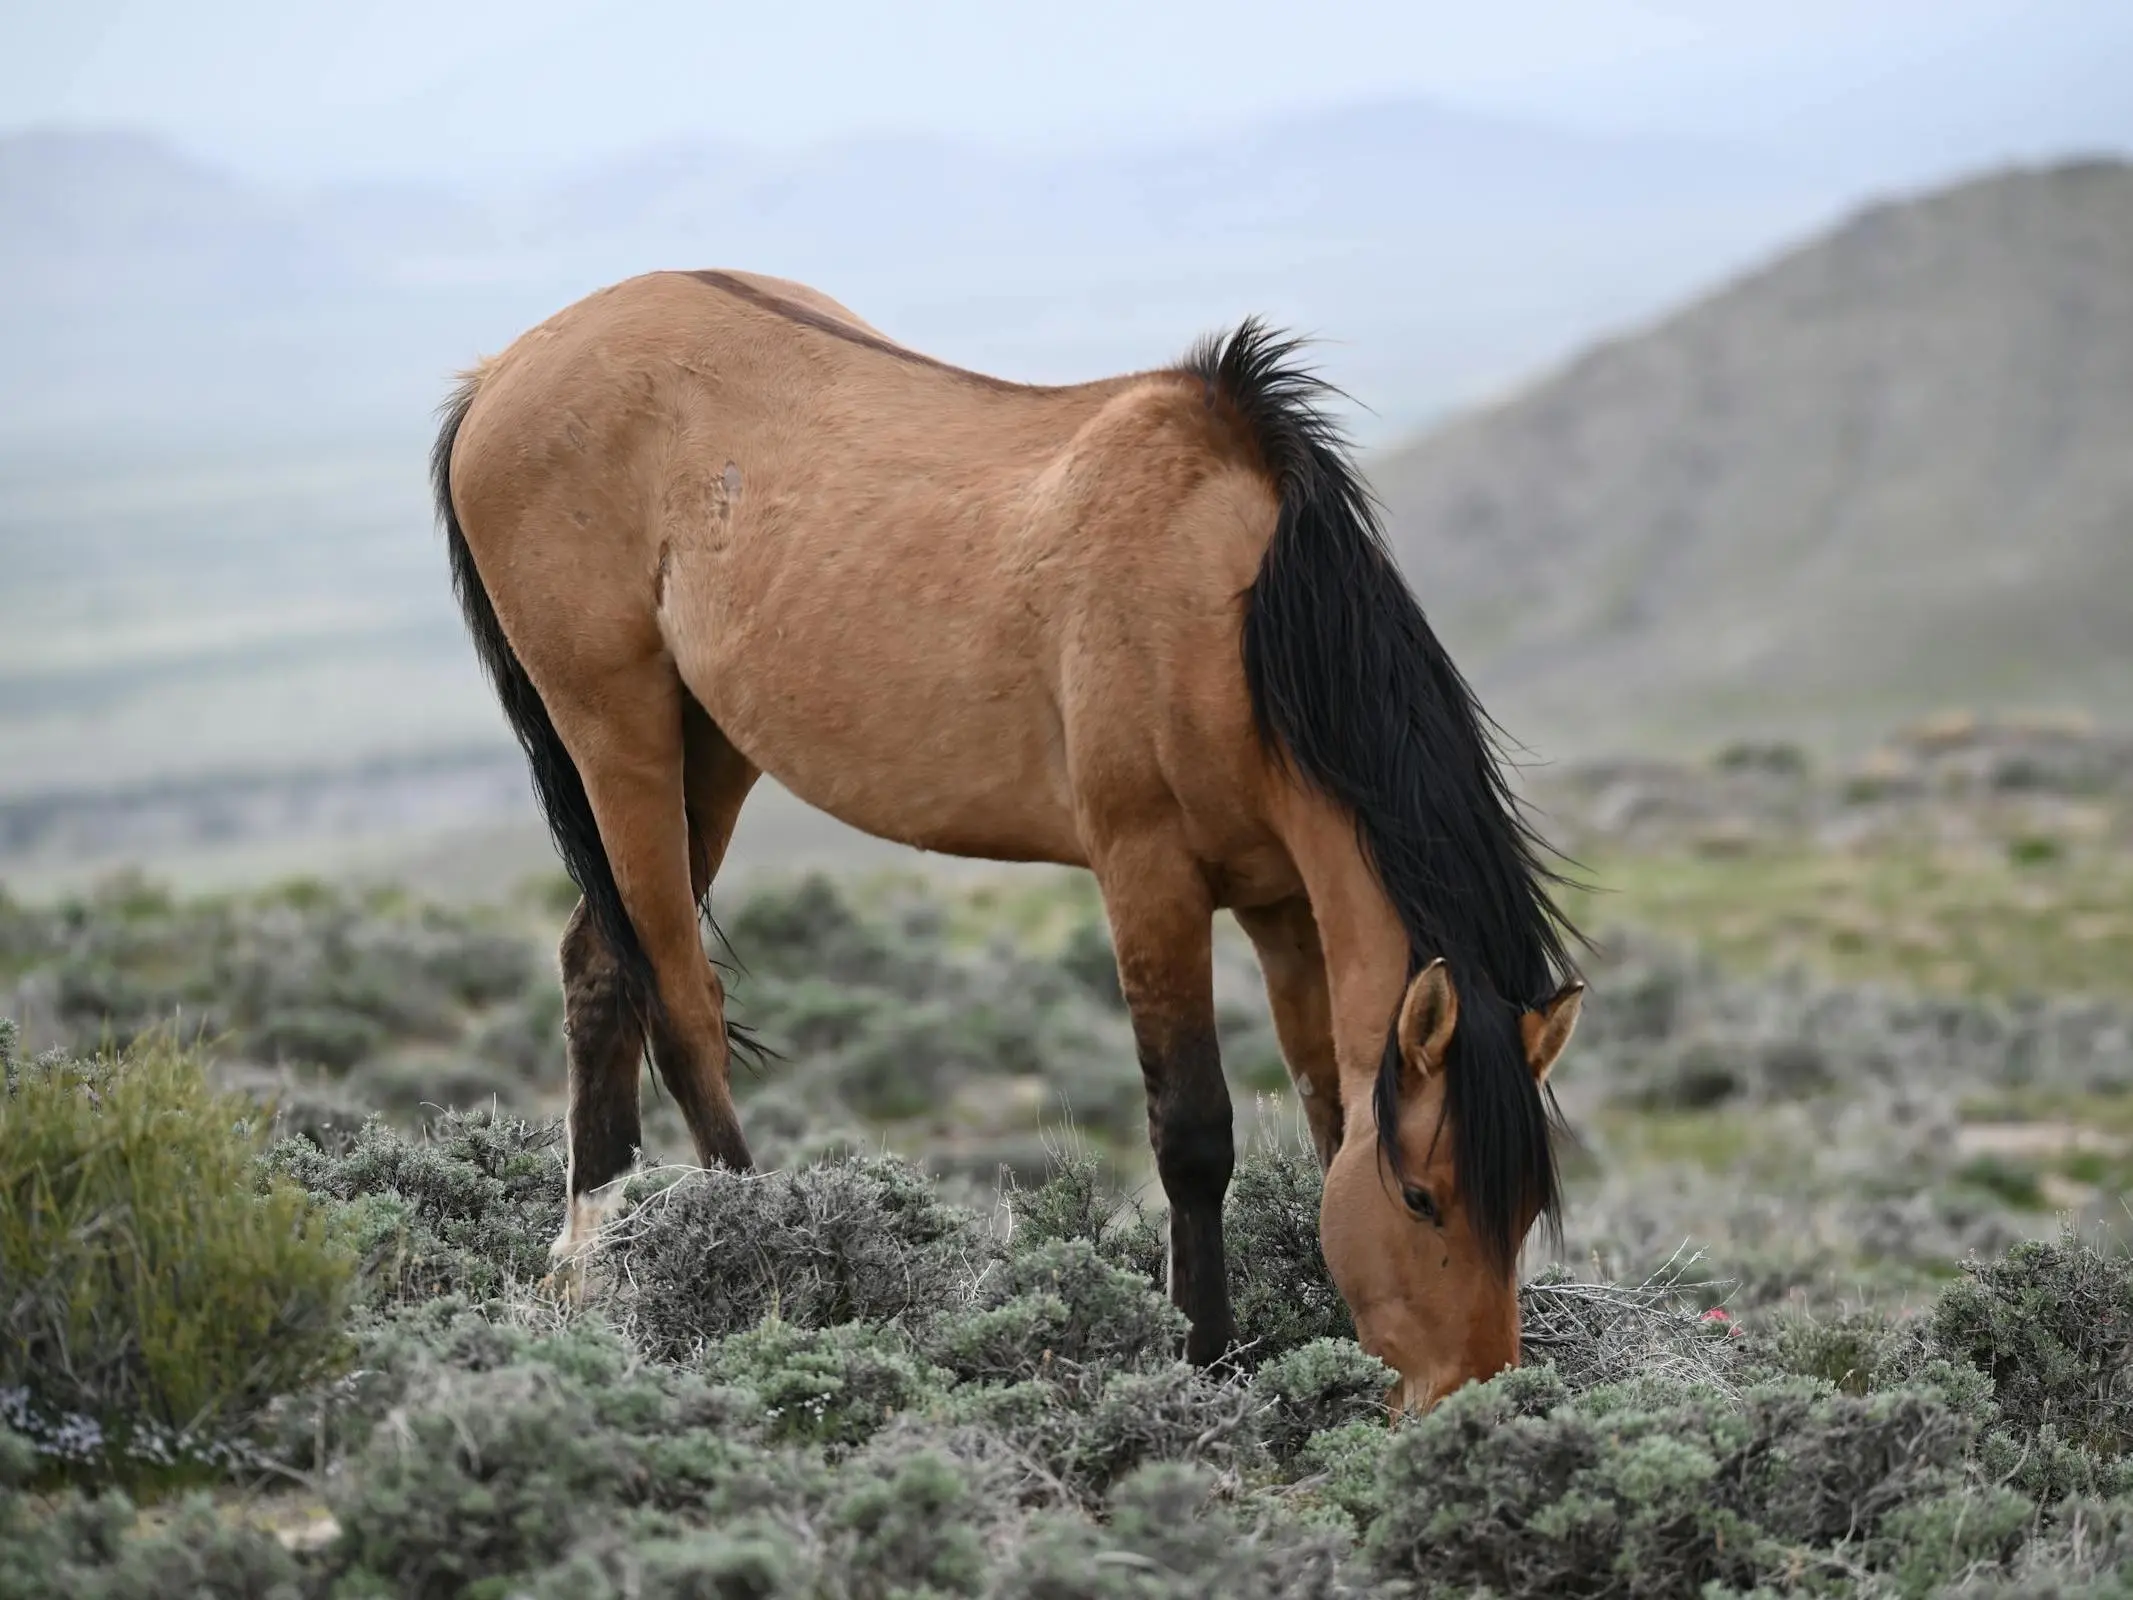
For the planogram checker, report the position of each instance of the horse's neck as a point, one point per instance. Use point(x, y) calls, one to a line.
point(1365, 943)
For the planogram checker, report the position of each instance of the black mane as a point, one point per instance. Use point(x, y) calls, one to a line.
point(1352, 687)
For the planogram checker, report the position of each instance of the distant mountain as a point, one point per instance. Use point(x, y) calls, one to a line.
point(92, 220)
point(1441, 253)
point(1890, 472)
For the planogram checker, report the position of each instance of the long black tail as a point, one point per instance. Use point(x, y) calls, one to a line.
point(556, 782)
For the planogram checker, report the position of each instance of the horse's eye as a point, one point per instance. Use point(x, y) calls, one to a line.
point(1423, 1204)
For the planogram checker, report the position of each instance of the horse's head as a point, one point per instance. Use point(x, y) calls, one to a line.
point(1434, 1296)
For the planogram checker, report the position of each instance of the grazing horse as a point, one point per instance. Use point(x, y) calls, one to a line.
point(708, 525)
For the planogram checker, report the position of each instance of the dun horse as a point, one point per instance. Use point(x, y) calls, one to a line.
point(708, 525)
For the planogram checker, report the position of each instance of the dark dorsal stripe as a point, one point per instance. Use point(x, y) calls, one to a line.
point(809, 317)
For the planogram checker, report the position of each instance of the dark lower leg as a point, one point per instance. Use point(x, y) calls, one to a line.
point(1189, 1124)
point(1161, 918)
point(604, 1043)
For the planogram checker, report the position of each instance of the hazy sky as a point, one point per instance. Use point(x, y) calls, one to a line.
point(400, 86)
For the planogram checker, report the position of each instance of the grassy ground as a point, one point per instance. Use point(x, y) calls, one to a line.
point(1874, 1099)
point(887, 1396)
point(966, 1024)
point(2030, 917)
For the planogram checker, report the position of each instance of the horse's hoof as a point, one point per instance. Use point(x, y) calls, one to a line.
point(565, 1282)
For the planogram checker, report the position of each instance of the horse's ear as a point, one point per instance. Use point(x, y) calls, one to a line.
point(1547, 1030)
point(1427, 1017)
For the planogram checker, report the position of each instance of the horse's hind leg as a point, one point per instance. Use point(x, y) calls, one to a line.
point(625, 735)
point(604, 1035)
point(716, 780)
point(604, 1042)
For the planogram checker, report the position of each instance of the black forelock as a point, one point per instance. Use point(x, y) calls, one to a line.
point(1351, 687)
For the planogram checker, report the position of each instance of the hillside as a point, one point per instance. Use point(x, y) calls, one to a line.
point(1891, 471)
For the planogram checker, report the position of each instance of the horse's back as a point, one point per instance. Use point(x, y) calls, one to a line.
point(934, 604)
point(770, 291)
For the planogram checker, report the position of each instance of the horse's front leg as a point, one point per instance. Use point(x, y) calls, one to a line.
point(1294, 962)
point(1161, 919)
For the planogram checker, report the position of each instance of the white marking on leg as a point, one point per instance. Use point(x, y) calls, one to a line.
point(588, 1214)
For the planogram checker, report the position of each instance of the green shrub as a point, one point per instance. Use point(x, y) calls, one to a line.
point(503, 1453)
point(158, 1296)
point(1776, 756)
point(95, 1549)
point(855, 1240)
point(525, 1036)
point(409, 1356)
point(1175, 1414)
point(811, 1015)
point(2046, 1469)
point(904, 1529)
point(492, 1474)
point(2084, 1551)
point(2035, 850)
point(308, 1106)
point(1281, 1292)
point(2016, 1183)
point(1694, 1076)
point(1325, 1384)
point(469, 1207)
point(1058, 1305)
point(1089, 1428)
point(1165, 1539)
point(1077, 1201)
point(2052, 1326)
point(909, 1058)
point(1852, 1351)
point(830, 1386)
point(328, 1036)
point(748, 1559)
point(1089, 959)
point(1251, 1050)
point(1930, 1542)
point(1652, 1488)
point(1342, 1474)
point(880, 1016)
